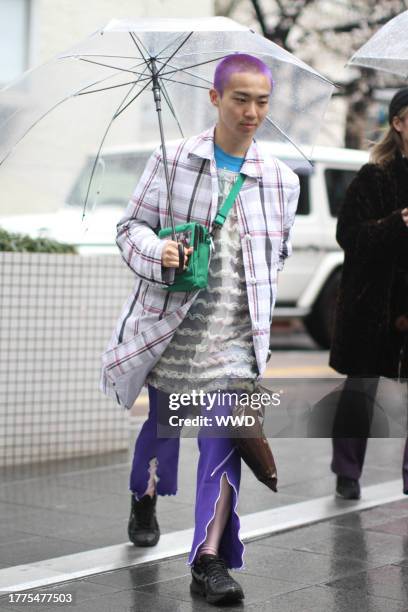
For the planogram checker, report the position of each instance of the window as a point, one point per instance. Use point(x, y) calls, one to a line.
point(114, 181)
point(303, 170)
point(304, 200)
point(14, 18)
point(337, 182)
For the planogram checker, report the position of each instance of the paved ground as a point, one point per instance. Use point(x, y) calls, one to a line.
point(354, 563)
point(73, 506)
point(358, 562)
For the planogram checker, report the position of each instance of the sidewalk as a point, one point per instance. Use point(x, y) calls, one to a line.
point(73, 506)
point(357, 562)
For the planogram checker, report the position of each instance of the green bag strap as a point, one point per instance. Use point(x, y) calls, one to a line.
point(228, 202)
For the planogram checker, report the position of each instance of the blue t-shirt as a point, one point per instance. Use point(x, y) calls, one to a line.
point(226, 161)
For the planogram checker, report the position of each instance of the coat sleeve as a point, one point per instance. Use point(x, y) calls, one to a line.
point(136, 231)
point(363, 231)
point(289, 218)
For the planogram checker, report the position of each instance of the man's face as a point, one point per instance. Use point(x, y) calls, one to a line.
point(243, 104)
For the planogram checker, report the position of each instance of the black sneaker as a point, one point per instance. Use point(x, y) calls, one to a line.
point(143, 528)
point(212, 581)
point(347, 488)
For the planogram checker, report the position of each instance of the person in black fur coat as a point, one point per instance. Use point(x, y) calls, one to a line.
point(371, 321)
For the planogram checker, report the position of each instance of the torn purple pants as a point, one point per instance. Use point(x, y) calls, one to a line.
point(217, 456)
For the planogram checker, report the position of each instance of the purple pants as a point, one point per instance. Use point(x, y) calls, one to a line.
point(349, 453)
point(217, 456)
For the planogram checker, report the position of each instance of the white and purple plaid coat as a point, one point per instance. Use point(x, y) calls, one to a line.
point(266, 207)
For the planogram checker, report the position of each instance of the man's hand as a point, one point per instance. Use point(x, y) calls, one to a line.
point(404, 214)
point(170, 255)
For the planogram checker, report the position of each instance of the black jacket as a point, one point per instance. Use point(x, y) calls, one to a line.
point(373, 290)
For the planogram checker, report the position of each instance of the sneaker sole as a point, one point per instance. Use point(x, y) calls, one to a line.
point(354, 498)
point(231, 597)
point(146, 544)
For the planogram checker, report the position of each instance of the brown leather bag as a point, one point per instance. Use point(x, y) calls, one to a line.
point(254, 447)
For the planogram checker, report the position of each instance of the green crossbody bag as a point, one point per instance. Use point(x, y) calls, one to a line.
point(195, 276)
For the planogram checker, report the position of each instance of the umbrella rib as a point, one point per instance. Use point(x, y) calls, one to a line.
point(106, 78)
point(196, 76)
point(31, 127)
point(117, 113)
point(308, 69)
point(171, 107)
point(101, 55)
point(175, 41)
point(132, 100)
point(108, 66)
point(42, 117)
point(148, 78)
point(141, 43)
point(176, 51)
point(269, 120)
point(84, 93)
point(135, 42)
point(215, 59)
point(183, 83)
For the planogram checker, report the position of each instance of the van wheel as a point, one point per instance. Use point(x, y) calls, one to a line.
point(320, 322)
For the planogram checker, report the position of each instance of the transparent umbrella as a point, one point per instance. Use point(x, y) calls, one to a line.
point(133, 81)
point(387, 49)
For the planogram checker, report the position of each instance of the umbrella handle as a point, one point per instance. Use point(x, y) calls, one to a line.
point(180, 269)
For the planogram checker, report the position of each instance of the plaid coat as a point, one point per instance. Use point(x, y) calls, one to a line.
point(266, 207)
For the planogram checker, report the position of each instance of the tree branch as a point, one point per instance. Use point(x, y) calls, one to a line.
point(260, 16)
point(226, 12)
point(286, 20)
point(281, 8)
point(356, 25)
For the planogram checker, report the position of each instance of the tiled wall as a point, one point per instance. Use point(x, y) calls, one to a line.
point(57, 313)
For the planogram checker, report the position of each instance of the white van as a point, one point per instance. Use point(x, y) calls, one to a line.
point(308, 285)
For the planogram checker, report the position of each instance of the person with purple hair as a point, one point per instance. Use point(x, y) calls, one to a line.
point(240, 62)
point(217, 339)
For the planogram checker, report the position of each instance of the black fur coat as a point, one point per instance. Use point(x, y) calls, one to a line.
point(373, 289)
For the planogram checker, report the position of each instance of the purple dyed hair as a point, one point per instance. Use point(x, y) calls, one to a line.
point(238, 62)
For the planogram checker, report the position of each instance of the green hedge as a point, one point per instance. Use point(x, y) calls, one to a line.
point(21, 243)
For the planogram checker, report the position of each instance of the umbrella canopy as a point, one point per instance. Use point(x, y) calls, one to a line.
point(100, 91)
point(387, 49)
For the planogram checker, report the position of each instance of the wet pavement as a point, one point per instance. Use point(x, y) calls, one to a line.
point(356, 562)
point(353, 563)
point(73, 506)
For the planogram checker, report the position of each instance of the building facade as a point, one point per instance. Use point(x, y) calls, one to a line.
point(33, 31)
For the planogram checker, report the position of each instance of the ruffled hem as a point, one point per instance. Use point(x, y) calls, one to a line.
point(174, 384)
point(221, 320)
point(211, 334)
point(205, 348)
point(196, 376)
point(203, 302)
point(209, 362)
